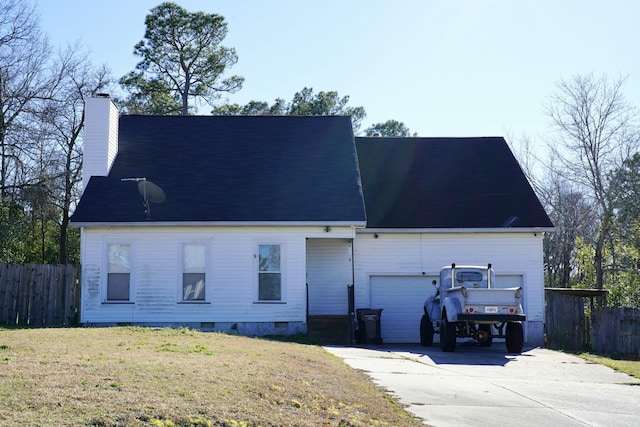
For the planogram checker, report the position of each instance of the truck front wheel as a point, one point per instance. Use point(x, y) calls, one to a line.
point(426, 331)
point(514, 337)
point(447, 334)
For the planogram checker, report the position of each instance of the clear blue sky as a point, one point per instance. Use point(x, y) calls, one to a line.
point(444, 68)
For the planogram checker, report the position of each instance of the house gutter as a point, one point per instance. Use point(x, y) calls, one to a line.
point(455, 230)
point(355, 225)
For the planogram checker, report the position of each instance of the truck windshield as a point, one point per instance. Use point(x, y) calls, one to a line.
point(469, 276)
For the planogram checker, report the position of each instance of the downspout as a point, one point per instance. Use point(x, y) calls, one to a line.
point(306, 277)
point(352, 292)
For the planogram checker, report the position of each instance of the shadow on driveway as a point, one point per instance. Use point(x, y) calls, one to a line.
point(467, 353)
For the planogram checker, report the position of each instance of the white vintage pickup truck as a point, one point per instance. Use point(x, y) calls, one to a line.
point(466, 305)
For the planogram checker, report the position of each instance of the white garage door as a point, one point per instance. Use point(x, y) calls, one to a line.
point(402, 299)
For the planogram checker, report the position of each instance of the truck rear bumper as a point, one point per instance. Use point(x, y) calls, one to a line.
point(492, 317)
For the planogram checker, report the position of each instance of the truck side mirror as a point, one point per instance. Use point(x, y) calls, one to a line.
point(434, 283)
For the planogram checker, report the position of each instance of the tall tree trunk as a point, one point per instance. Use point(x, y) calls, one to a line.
point(64, 226)
point(185, 92)
point(598, 257)
point(597, 263)
point(566, 270)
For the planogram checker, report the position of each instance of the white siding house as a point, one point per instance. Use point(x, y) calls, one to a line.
point(253, 231)
point(286, 225)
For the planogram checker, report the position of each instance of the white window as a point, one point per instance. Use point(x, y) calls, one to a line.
point(119, 272)
point(269, 274)
point(193, 271)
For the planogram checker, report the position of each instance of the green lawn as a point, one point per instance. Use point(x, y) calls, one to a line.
point(129, 376)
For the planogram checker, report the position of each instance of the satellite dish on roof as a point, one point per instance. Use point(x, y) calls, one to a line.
point(150, 192)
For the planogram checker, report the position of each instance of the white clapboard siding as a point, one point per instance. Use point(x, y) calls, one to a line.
point(231, 275)
point(310, 255)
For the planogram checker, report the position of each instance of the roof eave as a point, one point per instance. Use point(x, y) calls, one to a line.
point(457, 230)
point(355, 224)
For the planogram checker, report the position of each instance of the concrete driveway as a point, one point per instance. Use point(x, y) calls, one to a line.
point(489, 387)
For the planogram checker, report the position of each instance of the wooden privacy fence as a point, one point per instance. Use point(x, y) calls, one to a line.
point(616, 330)
point(578, 320)
point(39, 295)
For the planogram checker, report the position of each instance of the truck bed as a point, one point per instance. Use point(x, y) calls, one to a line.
point(487, 305)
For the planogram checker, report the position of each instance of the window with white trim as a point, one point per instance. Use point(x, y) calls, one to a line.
point(269, 274)
point(119, 272)
point(193, 271)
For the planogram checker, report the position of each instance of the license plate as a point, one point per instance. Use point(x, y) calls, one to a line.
point(491, 309)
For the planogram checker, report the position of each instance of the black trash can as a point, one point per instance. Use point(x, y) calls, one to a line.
point(368, 326)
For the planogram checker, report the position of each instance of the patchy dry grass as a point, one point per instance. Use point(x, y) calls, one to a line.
point(164, 377)
point(631, 367)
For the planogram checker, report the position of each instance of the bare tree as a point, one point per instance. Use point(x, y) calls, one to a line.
point(62, 119)
point(534, 168)
point(596, 132)
point(570, 211)
point(81, 81)
point(572, 214)
point(24, 52)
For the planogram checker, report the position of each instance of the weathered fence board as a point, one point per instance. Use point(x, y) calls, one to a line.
point(39, 295)
point(616, 331)
point(606, 330)
point(565, 322)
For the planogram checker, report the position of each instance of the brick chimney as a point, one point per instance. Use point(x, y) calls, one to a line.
point(100, 137)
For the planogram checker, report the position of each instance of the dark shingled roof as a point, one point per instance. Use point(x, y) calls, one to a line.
point(304, 169)
point(445, 183)
point(237, 169)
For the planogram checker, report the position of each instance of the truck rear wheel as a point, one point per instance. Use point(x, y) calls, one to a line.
point(426, 331)
point(447, 334)
point(514, 337)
